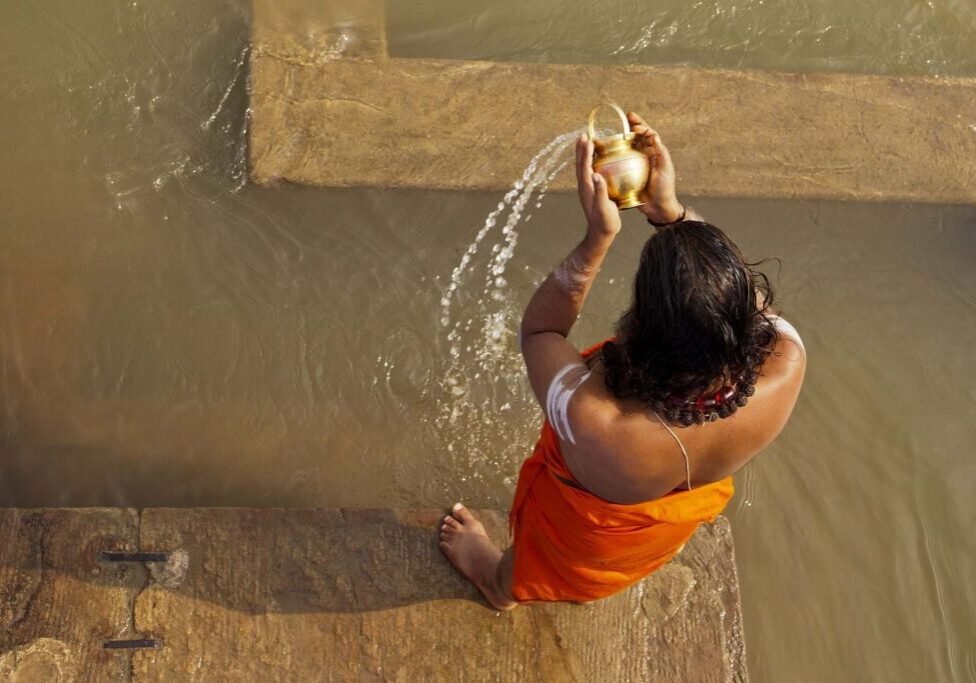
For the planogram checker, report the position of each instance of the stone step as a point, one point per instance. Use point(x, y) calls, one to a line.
point(359, 118)
point(334, 595)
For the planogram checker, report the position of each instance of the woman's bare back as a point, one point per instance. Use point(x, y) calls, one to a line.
point(624, 454)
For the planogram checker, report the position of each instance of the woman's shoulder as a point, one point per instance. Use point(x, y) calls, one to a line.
point(620, 450)
point(629, 441)
point(760, 421)
point(785, 368)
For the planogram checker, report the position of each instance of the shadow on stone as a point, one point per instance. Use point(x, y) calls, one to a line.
point(58, 603)
point(261, 561)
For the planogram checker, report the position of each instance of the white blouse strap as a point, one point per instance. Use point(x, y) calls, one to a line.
point(684, 451)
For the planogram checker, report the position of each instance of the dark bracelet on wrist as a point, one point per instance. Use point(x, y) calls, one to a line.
point(680, 218)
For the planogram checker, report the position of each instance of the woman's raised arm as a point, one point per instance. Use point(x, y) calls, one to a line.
point(554, 307)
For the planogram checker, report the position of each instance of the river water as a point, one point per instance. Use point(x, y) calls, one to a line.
point(170, 335)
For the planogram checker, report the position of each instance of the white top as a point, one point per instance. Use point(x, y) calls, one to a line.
point(787, 330)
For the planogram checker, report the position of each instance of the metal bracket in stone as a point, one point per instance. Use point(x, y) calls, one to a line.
point(133, 644)
point(166, 568)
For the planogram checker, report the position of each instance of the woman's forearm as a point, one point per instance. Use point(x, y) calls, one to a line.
point(557, 302)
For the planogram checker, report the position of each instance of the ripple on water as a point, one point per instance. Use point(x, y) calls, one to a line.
point(405, 368)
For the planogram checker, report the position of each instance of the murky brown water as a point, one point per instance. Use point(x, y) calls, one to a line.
point(172, 336)
point(932, 37)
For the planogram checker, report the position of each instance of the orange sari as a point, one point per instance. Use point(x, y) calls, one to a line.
point(570, 545)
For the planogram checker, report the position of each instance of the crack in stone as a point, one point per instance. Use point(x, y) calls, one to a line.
point(549, 640)
point(134, 599)
point(303, 60)
point(301, 101)
point(32, 521)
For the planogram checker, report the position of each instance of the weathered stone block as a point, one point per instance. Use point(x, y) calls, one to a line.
point(352, 595)
point(58, 603)
point(330, 108)
point(416, 123)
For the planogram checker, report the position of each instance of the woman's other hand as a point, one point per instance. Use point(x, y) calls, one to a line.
point(602, 215)
point(660, 201)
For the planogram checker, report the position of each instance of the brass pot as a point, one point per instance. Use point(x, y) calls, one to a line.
point(624, 168)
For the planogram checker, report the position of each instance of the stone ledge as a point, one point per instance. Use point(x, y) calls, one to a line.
point(58, 603)
point(339, 595)
point(439, 124)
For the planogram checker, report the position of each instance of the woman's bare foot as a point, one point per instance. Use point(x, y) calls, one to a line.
point(467, 546)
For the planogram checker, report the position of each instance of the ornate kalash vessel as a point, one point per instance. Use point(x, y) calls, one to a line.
point(623, 167)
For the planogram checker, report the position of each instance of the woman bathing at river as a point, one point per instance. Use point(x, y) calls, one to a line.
point(644, 431)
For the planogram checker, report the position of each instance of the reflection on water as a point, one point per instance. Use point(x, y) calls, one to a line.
point(172, 336)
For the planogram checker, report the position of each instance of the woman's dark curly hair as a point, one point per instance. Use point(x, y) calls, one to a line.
point(694, 325)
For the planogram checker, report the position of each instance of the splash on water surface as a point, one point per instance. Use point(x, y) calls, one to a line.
point(484, 414)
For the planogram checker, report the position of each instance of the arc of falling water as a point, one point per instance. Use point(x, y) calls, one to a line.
point(540, 172)
point(520, 194)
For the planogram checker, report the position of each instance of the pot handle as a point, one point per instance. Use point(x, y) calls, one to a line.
point(620, 113)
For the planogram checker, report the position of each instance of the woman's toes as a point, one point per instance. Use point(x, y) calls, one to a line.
point(451, 522)
point(461, 514)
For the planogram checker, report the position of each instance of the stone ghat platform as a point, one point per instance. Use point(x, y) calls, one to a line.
point(332, 595)
point(331, 108)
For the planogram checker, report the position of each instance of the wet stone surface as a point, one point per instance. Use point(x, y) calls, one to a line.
point(358, 595)
point(333, 595)
point(318, 117)
point(58, 603)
